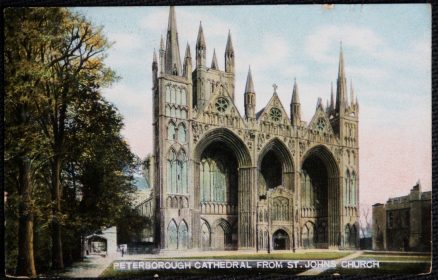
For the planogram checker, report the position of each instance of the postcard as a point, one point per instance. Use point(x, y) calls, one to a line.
point(218, 140)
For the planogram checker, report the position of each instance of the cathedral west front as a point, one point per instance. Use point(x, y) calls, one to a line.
point(263, 181)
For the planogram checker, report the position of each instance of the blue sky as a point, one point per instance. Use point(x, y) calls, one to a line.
point(387, 50)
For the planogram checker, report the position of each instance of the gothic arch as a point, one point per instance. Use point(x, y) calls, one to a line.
point(322, 170)
point(281, 151)
point(205, 234)
point(275, 166)
point(230, 139)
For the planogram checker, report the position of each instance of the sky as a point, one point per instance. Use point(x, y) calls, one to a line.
point(387, 54)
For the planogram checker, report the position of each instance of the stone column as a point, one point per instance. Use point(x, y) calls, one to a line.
point(334, 227)
point(195, 211)
point(246, 208)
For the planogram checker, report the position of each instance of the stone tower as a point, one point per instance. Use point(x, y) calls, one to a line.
point(262, 181)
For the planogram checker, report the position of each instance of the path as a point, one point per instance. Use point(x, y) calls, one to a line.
point(319, 270)
point(92, 266)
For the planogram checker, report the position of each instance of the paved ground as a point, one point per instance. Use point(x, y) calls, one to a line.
point(92, 266)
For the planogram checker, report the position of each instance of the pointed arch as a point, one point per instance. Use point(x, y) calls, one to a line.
point(347, 190)
point(172, 235)
point(183, 235)
point(171, 131)
point(182, 133)
point(281, 151)
point(353, 188)
point(205, 234)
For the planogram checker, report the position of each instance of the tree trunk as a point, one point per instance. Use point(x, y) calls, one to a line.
point(25, 259)
point(57, 258)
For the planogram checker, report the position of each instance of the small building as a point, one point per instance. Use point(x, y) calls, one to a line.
point(403, 223)
point(101, 243)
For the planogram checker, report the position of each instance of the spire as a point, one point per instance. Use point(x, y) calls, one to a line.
point(154, 59)
point(332, 99)
point(188, 54)
point(249, 84)
point(341, 90)
point(249, 96)
point(295, 106)
point(229, 47)
point(201, 47)
point(173, 60)
point(295, 93)
point(229, 55)
point(214, 64)
point(200, 42)
point(187, 67)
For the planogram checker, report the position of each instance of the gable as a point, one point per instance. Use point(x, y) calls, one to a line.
point(320, 122)
point(221, 105)
point(273, 112)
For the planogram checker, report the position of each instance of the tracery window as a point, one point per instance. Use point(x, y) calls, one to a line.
point(172, 235)
point(177, 172)
point(171, 131)
point(182, 235)
point(221, 104)
point(275, 114)
point(181, 133)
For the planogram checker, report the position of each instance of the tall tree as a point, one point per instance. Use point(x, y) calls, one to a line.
point(53, 64)
point(25, 70)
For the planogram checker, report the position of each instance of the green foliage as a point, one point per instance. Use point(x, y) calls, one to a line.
point(55, 115)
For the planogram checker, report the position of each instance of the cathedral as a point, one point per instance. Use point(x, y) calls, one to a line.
point(263, 181)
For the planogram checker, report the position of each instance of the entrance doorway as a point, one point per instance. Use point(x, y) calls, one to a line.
point(280, 240)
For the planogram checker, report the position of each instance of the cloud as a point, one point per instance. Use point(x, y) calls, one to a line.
point(321, 42)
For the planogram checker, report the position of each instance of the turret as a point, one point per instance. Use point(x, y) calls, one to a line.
point(201, 48)
point(250, 97)
point(187, 63)
point(295, 106)
point(229, 55)
point(332, 100)
point(173, 60)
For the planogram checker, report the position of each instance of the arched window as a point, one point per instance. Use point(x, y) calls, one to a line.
point(183, 97)
point(172, 112)
point(347, 192)
point(205, 235)
point(353, 188)
point(181, 133)
point(168, 111)
point(183, 235)
point(172, 235)
point(168, 94)
point(183, 114)
point(170, 171)
point(171, 131)
point(181, 173)
point(172, 95)
point(178, 96)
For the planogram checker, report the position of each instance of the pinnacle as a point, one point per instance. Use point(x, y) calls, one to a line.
point(295, 93)
point(200, 42)
point(214, 64)
point(188, 54)
point(229, 47)
point(249, 83)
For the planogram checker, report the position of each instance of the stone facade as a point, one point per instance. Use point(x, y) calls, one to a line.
point(403, 223)
point(262, 181)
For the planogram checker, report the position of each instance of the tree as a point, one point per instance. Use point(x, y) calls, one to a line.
point(25, 69)
point(53, 70)
point(365, 221)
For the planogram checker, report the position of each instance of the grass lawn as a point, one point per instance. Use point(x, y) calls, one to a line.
point(390, 264)
point(273, 256)
point(396, 258)
point(386, 268)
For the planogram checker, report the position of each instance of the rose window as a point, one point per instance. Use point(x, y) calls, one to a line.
point(275, 114)
point(320, 124)
point(221, 104)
